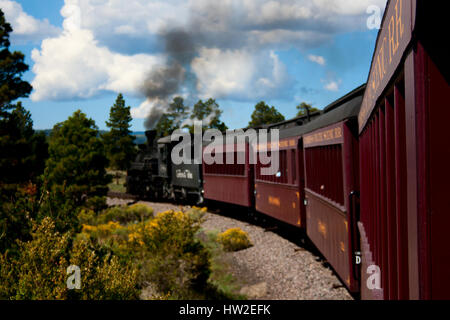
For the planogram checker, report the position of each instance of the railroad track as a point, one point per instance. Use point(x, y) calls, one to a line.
point(121, 195)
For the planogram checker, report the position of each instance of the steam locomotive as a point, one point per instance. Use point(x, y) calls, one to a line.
point(153, 175)
point(367, 178)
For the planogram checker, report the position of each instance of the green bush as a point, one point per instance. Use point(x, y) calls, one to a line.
point(103, 276)
point(96, 203)
point(138, 212)
point(39, 271)
point(234, 240)
point(173, 258)
point(16, 212)
point(121, 214)
point(165, 247)
point(58, 205)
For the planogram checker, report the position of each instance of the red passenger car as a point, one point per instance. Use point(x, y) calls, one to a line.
point(229, 182)
point(404, 158)
point(281, 195)
point(331, 187)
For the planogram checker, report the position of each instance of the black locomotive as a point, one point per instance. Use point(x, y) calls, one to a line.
point(154, 176)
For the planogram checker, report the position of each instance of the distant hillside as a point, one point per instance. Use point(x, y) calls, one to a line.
point(140, 137)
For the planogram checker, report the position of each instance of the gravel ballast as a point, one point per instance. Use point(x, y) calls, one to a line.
point(274, 268)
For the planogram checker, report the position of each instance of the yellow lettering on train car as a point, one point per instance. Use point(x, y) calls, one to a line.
point(294, 205)
point(346, 226)
point(342, 246)
point(327, 135)
point(274, 201)
point(382, 59)
point(322, 228)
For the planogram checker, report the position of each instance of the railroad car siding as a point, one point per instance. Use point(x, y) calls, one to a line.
point(281, 196)
point(404, 158)
point(229, 183)
point(331, 155)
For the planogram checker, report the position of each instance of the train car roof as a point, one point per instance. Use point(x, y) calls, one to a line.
point(342, 109)
point(294, 122)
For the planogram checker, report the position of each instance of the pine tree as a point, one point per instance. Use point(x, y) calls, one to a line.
point(209, 112)
point(173, 119)
point(119, 142)
point(303, 109)
point(16, 127)
point(77, 163)
point(22, 152)
point(12, 67)
point(264, 114)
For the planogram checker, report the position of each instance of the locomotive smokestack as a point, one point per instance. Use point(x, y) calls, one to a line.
point(151, 135)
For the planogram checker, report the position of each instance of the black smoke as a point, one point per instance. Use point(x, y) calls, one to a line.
point(165, 80)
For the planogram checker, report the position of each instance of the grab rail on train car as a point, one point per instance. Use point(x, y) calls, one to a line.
point(353, 200)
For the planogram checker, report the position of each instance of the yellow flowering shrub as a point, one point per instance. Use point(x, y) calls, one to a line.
point(165, 247)
point(234, 240)
point(173, 258)
point(40, 269)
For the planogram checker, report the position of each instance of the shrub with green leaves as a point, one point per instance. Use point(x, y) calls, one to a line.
point(165, 247)
point(121, 214)
point(176, 261)
point(40, 269)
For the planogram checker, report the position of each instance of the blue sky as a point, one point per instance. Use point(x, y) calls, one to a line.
point(82, 53)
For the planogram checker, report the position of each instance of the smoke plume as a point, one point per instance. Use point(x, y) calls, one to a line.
point(165, 80)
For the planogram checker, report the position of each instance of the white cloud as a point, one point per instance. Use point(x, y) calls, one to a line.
point(294, 22)
point(110, 20)
point(286, 38)
point(73, 65)
point(317, 59)
point(239, 74)
point(105, 44)
point(333, 85)
point(346, 7)
point(25, 27)
point(143, 110)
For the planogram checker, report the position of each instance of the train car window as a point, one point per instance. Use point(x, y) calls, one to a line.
point(324, 172)
point(282, 174)
point(230, 169)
